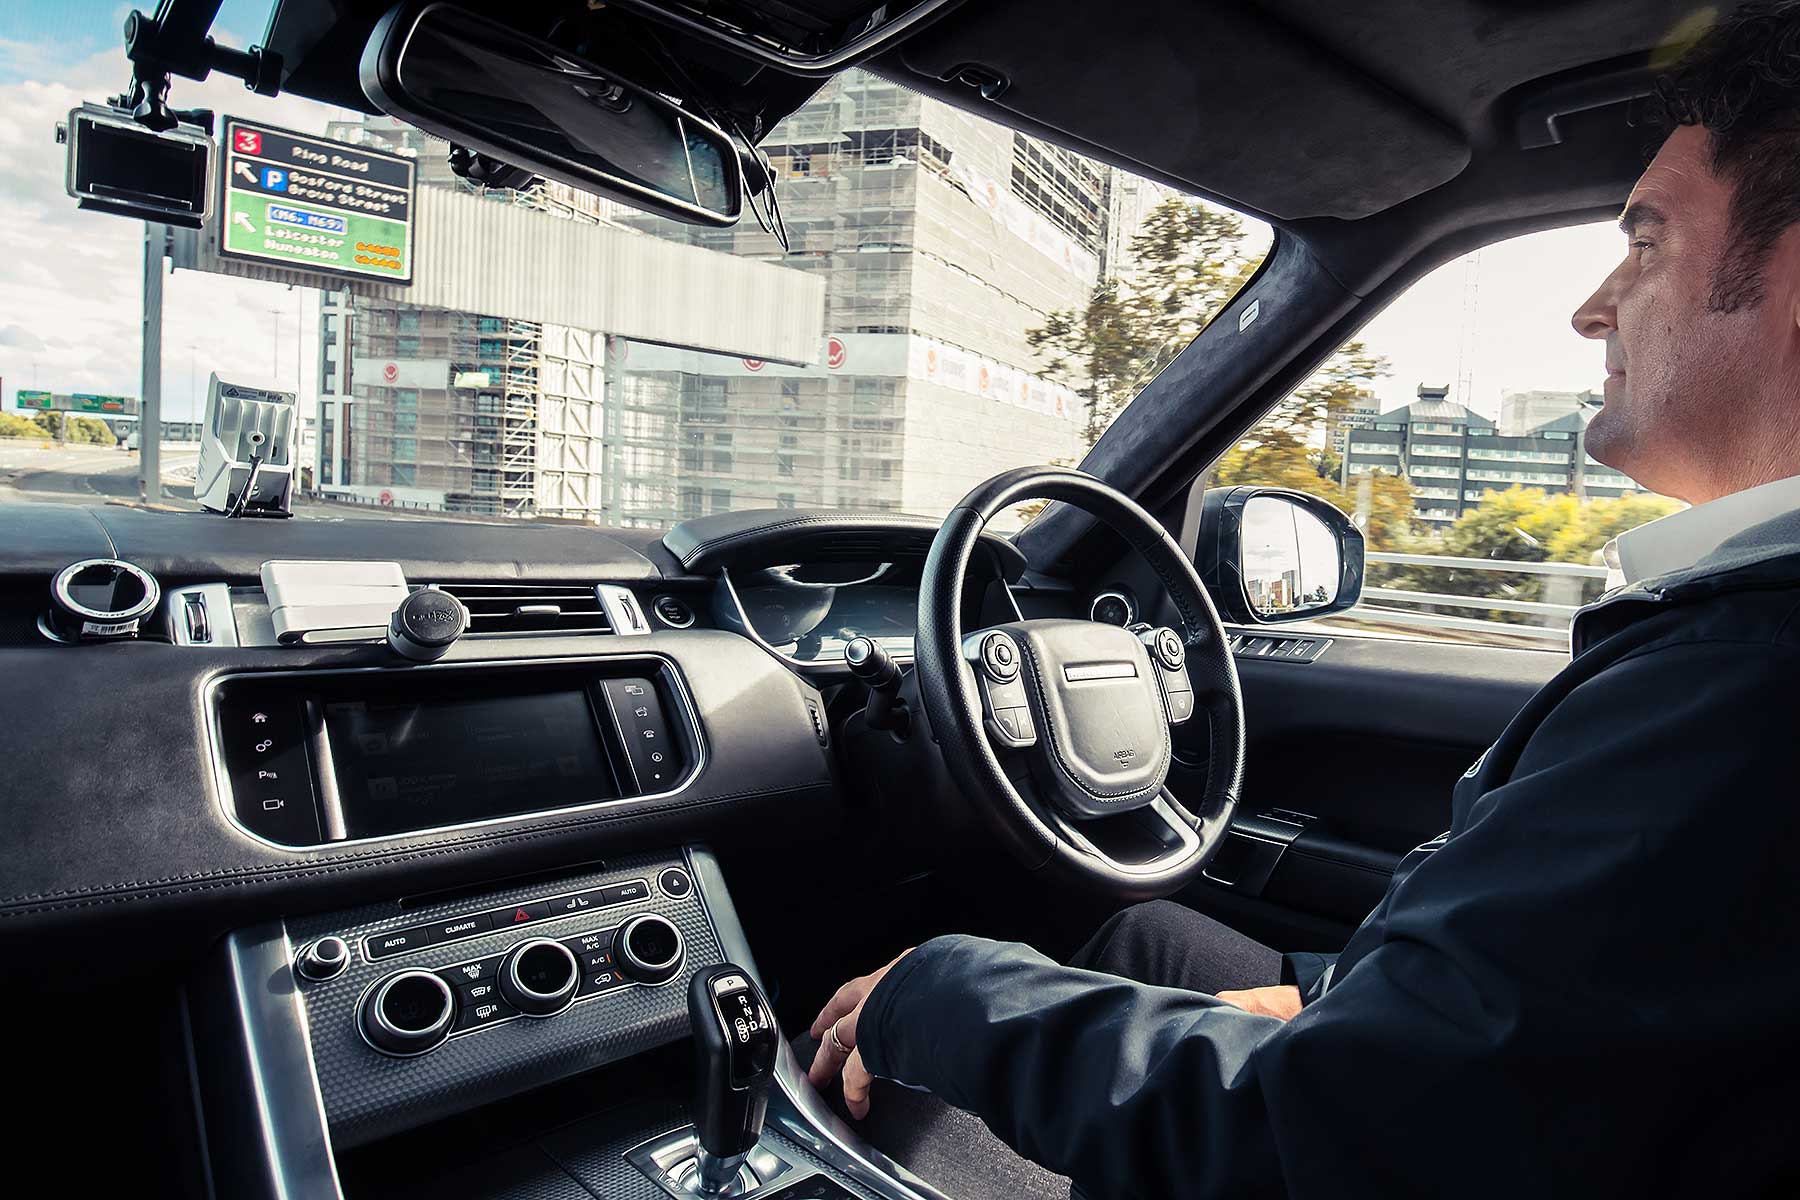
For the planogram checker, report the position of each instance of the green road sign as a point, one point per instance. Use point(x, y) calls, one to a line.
point(86, 402)
point(80, 402)
point(315, 205)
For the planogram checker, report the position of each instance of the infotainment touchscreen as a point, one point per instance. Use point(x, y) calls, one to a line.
point(425, 763)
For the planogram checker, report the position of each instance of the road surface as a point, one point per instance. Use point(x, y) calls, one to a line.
point(85, 474)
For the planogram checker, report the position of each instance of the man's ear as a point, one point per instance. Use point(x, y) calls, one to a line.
point(1781, 282)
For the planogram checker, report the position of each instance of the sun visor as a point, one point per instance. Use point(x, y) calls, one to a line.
point(1218, 97)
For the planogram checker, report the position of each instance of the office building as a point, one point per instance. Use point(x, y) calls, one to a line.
point(1454, 456)
point(1360, 413)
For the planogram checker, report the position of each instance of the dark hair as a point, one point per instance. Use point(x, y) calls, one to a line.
point(1741, 83)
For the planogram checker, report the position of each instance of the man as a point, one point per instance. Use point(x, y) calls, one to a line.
point(1591, 984)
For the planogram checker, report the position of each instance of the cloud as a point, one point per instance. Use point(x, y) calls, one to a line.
point(17, 337)
point(73, 280)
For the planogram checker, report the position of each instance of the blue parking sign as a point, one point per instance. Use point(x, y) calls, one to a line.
point(275, 179)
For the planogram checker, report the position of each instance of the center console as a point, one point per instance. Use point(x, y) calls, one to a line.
point(375, 1031)
point(316, 757)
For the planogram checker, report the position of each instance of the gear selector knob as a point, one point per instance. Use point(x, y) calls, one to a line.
point(735, 1043)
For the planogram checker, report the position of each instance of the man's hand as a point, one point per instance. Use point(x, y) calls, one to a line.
point(841, 1014)
point(1282, 1002)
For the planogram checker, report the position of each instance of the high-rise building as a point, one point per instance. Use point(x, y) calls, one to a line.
point(1454, 456)
point(942, 239)
point(1521, 412)
point(461, 411)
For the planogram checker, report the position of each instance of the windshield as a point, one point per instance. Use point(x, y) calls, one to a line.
point(954, 299)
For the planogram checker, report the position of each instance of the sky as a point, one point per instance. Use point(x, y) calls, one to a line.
point(70, 282)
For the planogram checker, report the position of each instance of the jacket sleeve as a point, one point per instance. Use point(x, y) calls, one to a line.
point(1528, 1019)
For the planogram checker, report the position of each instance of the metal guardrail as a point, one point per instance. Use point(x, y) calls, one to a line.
point(1385, 605)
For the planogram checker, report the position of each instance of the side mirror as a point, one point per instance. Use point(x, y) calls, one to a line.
point(477, 83)
point(1269, 555)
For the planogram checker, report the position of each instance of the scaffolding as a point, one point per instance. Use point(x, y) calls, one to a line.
point(519, 420)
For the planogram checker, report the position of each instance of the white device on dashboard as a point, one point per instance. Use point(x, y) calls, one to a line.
point(324, 600)
point(246, 466)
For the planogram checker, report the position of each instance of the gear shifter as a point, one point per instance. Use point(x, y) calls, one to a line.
point(735, 1041)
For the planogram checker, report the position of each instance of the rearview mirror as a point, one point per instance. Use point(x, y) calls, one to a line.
point(478, 83)
point(1269, 554)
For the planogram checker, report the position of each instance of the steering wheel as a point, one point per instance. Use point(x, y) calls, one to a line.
point(1058, 731)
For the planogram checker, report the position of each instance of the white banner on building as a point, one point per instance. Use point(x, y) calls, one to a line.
point(955, 368)
point(400, 372)
point(1027, 224)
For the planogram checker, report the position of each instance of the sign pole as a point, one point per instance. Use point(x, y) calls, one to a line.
point(150, 413)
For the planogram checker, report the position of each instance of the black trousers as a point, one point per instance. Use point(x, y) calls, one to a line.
point(1159, 943)
point(1168, 945)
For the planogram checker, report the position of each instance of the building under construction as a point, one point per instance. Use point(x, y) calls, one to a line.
point(941, 240)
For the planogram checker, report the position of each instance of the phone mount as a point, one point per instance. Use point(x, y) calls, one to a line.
point(246, 466)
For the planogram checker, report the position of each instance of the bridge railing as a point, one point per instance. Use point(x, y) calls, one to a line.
point(1542, 623)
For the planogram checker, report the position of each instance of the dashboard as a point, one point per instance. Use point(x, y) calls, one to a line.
point(392, 880)
point(611, 688)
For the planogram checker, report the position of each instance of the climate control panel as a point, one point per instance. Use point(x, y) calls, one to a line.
point(419, 1009)
point(424, 1006)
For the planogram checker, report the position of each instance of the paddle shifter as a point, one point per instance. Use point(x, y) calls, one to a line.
point(735, 1040)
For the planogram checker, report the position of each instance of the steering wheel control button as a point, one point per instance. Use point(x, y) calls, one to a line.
point(408, 1013)
point(325, 959)
point(1166, 644)
point(674, 883)
point(648, 948)
point(426, 624)
point(397, 941)
point(1012, 727)
point(999, 658)
point(1181, 706)
point(538, 977)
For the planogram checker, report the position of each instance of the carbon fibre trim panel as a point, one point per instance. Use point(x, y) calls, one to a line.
point(368, 1095)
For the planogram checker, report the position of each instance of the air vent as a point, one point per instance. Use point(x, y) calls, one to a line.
point(531, 607)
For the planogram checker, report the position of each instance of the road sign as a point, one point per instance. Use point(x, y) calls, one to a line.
point(314, 204)
point(80, 402)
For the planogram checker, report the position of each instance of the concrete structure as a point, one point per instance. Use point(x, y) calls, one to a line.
point(1454, 456)
point(1521, 412)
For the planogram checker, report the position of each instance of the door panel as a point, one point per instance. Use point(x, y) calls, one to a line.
point(1350, 761)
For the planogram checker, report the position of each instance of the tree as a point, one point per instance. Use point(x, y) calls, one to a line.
point(1524, 524)
point(1190, 260)
point(19, 427)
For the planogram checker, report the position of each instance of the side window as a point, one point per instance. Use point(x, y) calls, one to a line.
point(1453, 429)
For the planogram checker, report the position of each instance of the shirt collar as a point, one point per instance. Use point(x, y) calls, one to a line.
point(1681, 539)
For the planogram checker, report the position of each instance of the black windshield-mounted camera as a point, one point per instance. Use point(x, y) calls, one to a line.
point(135, 156)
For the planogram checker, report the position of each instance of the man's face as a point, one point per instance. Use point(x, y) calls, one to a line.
point(1685, 383)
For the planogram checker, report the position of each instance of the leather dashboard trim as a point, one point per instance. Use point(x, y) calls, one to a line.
point(112, 800)
point(244, 876)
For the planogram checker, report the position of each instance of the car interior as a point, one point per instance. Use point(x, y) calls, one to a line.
point(247, 963)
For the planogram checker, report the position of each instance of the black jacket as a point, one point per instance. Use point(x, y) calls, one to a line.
point(1589, 987)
